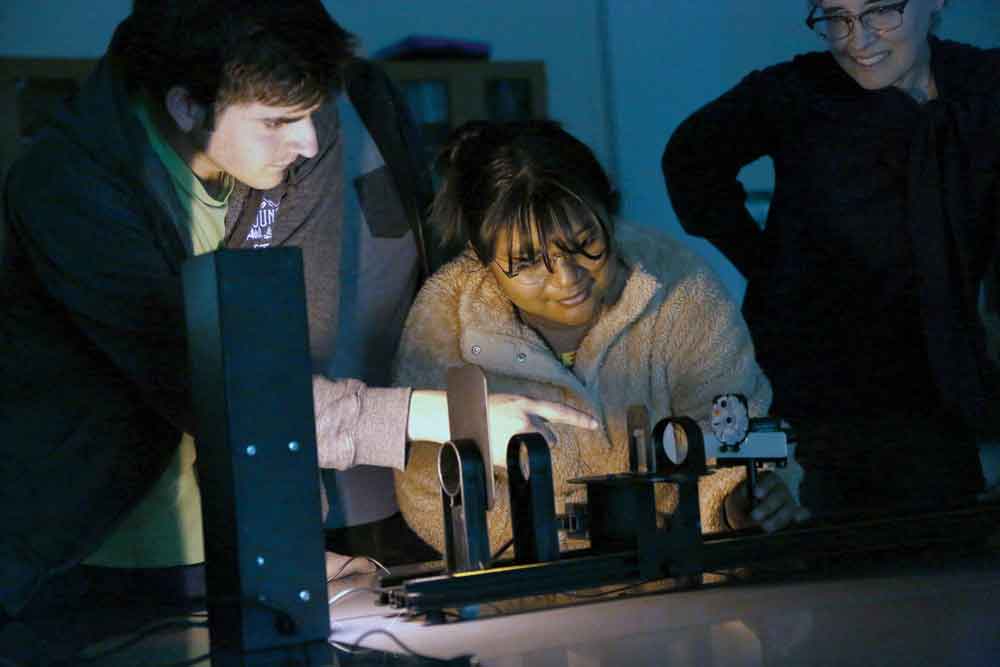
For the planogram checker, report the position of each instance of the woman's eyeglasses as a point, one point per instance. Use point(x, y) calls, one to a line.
point(529, 272)
point(836, 27)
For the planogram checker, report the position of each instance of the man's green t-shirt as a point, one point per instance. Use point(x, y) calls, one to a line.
point(165, 528)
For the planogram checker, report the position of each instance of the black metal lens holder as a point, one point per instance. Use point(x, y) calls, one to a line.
point(626, 543)
point(629, 543)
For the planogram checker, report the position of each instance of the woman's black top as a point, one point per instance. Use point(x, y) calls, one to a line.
point(875, 196)
point(862, 285)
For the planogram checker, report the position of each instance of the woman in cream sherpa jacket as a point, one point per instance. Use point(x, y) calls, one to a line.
point(672, 341)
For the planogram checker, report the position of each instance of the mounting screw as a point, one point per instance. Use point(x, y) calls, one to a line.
point(304, 596)
point(251, 450)
point(476, 349)
point(260, 561)
point(522, 357)
point(293, 446)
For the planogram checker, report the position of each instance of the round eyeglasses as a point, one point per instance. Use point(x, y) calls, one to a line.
point(836, 27)
point(591, 253)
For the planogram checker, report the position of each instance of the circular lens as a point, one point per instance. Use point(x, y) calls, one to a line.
point(449, 469)
point(675, 444)
point(523, 462)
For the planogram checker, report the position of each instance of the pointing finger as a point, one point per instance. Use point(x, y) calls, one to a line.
point(562, 414)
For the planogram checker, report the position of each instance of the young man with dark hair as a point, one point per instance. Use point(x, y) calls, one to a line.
point(209, 123)
point(138, 173)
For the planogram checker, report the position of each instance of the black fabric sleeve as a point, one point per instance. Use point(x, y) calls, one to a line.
point(704, 156)
point(990, 296)
point(98, 252)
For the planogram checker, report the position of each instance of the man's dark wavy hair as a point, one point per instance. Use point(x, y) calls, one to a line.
point(276, 52)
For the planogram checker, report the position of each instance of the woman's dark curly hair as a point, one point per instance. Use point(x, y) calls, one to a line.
point(532, 180)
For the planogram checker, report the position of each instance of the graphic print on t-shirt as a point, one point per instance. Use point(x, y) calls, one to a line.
point(260, 233)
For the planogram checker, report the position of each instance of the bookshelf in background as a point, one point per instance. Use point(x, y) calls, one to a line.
point(443, 94)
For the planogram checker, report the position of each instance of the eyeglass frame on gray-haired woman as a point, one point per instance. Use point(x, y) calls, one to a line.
point(852, 19)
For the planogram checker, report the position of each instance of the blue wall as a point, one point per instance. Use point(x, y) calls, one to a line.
point(671, 58)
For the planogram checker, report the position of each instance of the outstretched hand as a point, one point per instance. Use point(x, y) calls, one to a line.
point(508, 414)
point(774, 507)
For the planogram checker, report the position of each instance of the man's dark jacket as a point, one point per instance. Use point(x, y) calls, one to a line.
point(95, 390)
